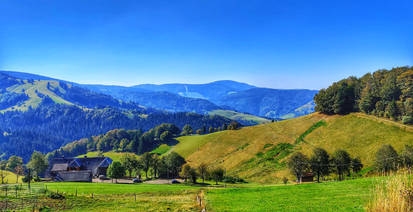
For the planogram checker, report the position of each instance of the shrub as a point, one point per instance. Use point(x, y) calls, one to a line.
point(285, 180)
point(54, 195)
point(407, 120)
point(230, 179)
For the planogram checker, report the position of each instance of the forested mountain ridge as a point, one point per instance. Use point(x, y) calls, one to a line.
point(45, 114)
point(384, 93)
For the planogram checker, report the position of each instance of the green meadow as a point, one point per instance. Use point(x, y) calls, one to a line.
point(350, 195)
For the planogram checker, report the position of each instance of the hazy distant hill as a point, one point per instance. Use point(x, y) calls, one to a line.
point(157, 99)
point(205, 98)
point(273, 103)
point(213, 91)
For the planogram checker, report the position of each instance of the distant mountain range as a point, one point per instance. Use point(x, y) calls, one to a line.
point(219, 95)
point(206, 98)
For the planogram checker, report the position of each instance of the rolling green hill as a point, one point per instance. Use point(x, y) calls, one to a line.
point(258, 153)
point(10, 177)
point(245, 119)
point(115, 156)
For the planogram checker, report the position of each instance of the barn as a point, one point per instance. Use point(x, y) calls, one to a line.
point(78, 169)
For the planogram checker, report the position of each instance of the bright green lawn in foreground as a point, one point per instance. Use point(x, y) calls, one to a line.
point(109, 188)
point(350, 195)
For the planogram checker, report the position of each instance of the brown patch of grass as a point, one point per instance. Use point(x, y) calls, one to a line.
point(394, 194)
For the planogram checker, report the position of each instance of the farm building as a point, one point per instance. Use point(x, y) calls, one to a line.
point(78, 169)
point(307, 177)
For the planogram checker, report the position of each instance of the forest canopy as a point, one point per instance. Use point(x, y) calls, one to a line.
point(384, 93)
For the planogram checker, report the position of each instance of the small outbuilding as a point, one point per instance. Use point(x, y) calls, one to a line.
point(307, 177)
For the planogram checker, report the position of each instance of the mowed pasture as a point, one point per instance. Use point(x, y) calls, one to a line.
point(350, 195)
point(128, 197)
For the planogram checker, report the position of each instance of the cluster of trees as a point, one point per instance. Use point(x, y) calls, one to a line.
point(203, 172)
point(35, 167)
point(136, 141)
point(49, 126)
point(321, 164)
point(187, 129)
point(384, 93)
point(148, 163)
point(170, 166)
point(387, 158)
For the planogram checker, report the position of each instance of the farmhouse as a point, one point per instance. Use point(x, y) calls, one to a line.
point(78, 169)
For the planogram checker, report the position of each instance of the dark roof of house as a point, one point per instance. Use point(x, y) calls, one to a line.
point(85, 163)
point(59, 167)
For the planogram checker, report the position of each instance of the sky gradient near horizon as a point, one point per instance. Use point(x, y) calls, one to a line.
point(276, 44)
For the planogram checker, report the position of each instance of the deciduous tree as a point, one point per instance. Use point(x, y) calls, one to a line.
point(298, 164)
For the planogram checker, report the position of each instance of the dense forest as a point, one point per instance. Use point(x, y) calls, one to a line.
point(120, 140)
point(49, 126)
point(384, 93)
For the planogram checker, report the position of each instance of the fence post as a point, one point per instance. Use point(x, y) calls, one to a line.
point(76, 193)
point(135, 197)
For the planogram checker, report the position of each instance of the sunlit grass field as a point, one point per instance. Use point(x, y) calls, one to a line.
point(350, 195)
point(121, 197)
point(115, 156)
point(10, 177)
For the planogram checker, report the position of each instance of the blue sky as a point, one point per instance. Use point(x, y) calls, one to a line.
point(277, 44)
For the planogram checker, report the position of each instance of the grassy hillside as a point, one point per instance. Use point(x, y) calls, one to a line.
point(35, 91)
point(258, 153)
point(245, 119)
point(10, 177)
point(115, 156)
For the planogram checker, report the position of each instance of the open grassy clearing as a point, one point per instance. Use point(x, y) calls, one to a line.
point(162, 149)
point(241, 117)
point(115, 156)
point(350, 195)
point(33, 90)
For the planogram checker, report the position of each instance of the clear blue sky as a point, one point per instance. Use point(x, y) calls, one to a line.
point(278, 44)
